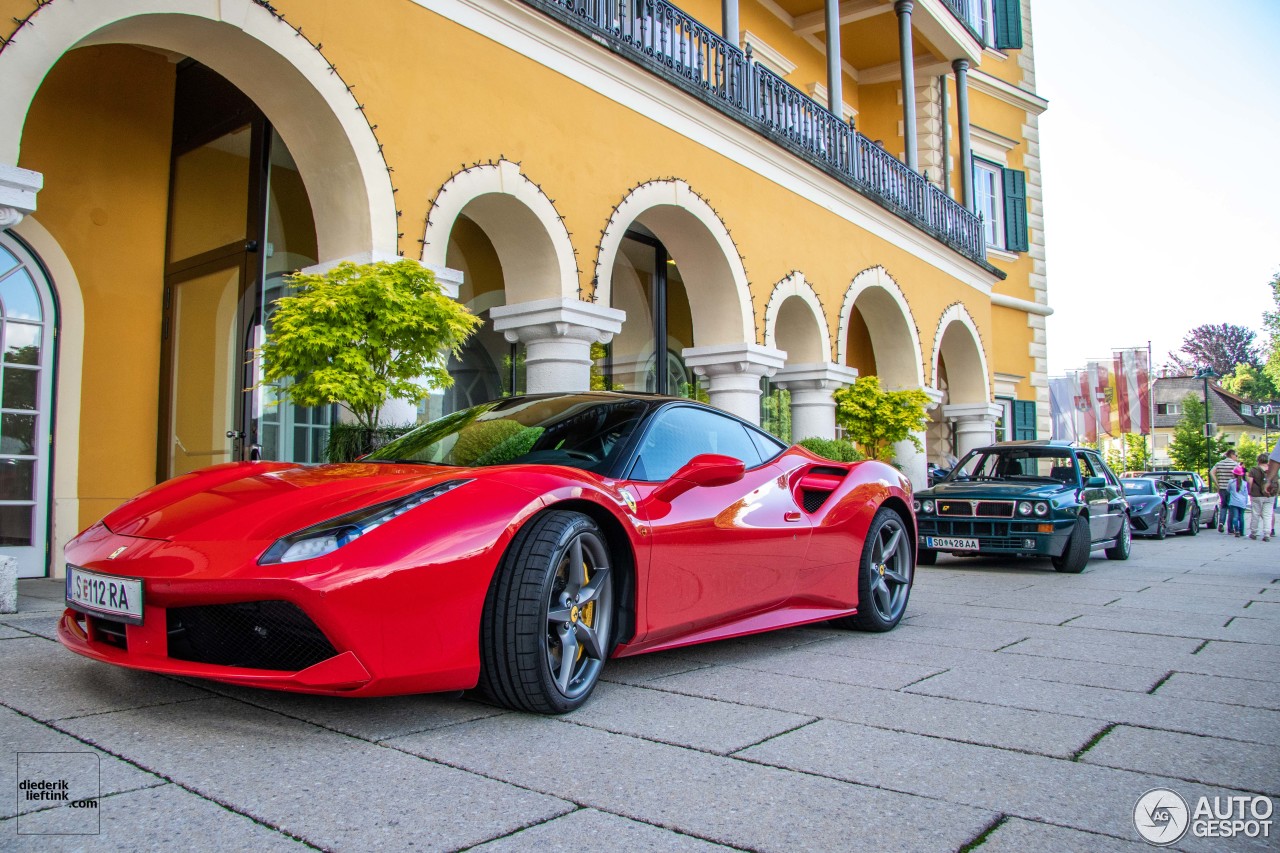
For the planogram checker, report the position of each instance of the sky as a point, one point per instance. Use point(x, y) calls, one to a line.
point(1160, 154)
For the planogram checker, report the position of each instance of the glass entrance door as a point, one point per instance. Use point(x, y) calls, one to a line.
point(26, 394)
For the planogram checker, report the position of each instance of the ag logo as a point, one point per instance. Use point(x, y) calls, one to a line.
point(628, 498)
point(1161, 817)
point(117, 552)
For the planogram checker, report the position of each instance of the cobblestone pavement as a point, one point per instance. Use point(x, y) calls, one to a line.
point(1016, 709)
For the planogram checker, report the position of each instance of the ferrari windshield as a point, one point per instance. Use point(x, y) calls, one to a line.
point(1139, 487)
point(1017, 463)
point(581, 432)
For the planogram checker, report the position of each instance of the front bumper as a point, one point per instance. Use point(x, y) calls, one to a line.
point(998, 536)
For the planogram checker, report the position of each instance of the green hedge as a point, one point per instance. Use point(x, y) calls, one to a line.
point(835, 449)
point(348, 442)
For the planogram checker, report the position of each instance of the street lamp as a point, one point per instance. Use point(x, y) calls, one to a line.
point(1206, 373)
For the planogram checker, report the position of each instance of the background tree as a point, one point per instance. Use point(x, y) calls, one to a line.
point(875, 419)
point(1220, 346)
point(1271, 322)
point(1133, 454)
point(1189, 448)
point(364, 334)
point(1250, 383)
point(1247, 451)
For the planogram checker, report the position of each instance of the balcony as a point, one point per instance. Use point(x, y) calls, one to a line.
point(680, 49)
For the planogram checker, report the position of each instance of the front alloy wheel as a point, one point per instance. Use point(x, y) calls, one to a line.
point(547, 625)
point(884, 575)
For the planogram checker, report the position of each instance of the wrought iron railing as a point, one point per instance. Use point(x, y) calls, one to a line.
point(661, 37)
point(966, 13)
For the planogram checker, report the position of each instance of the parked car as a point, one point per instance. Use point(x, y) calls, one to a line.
point(1026, 498)
point(1158, 507)
point(516, 546)
point(1206, 498)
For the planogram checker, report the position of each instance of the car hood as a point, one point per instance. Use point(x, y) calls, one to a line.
point(267, 500)
point(994, 490)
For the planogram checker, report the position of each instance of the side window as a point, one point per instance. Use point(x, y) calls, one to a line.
point(679, 434)
point(768, 446)
point(1086, 466)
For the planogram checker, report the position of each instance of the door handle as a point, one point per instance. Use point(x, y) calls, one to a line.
point(791, 516)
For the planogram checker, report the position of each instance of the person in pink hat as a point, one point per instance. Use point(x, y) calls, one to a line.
point(1237, 501)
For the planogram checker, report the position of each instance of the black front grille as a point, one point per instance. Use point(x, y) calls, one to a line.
point(108, 631)
point(955, 507)
point(252, 634)
point(995, 509)
point(813, 499)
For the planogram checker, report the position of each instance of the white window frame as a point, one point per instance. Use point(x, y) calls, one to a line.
point(993, 212)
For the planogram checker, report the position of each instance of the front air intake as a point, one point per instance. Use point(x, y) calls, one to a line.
point(253, 634)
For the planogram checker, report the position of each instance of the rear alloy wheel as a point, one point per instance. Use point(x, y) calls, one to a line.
point(1120, 550)
point(1213, 519)
point(1076, 553)
point(1161, 523)
point(884, 575)
point(547, 624)
point(1193, 526)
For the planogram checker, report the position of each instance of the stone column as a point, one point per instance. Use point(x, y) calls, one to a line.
point(729, 20)
point(906, 59)
point(813, 411)
point(975, 424)
point(835, 82)
point(961, 67)
point(557, 335)
point(18, 188)
point(915, 463)
point(733, 372)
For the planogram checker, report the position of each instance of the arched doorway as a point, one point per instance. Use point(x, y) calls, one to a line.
point(967, 417)
point(797, 402)
point(28, 322)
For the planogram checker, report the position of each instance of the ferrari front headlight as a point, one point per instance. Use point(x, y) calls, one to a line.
point(328, 536)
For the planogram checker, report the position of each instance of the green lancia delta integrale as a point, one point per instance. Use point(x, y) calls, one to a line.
point(1026, 498)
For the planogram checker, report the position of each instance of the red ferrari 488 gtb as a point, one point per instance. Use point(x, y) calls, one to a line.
point(515, 546)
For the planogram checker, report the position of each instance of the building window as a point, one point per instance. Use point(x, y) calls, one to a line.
point(988, 199)
point(982, 19)
point(1168, 408)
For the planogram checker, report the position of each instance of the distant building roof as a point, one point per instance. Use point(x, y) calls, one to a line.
point(1224, 407)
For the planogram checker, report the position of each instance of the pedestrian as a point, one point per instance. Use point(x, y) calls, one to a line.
point(1273, 481)
point(1237, 501)
point(1221, 476)
point(1261, 503)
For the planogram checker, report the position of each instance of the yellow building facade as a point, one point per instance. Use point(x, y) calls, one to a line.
point(690, 200)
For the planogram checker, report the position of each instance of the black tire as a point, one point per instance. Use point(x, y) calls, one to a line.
point(884, 575)
point(1193, 526)
point(1213, 519)
point(1076, 553)
point(553, 591)
point(1124, 542)
point(1161, 524)
point(926, 557)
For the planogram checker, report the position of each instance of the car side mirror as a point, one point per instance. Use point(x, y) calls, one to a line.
point(1171, 493)
point(1095, 483)
point(705, 469)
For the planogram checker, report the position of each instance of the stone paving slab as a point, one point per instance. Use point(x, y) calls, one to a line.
point(22, 734)
point(161, 819)
point(589, 829)
point(1209, 760)
point(48, 682)
point(909, 632)
point(1031, 731)
point(642, 668)
point(712, 797)
point(1090, 674)
point(8, 633)
point(1221, 608)
point(704, 724)
point(1229, 691)
point(371, 719)
point(1027, 786)
point(326, 788)
point(40, 624)
point(1016, 835)
point(1053, 596)
point(818, 663)
point(1052, 613)
point(1117, 706)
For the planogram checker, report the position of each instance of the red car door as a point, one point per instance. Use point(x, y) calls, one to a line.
point(719, 553)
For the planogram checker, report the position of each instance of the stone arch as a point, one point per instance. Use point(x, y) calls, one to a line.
point(795, 322)
point(719, 296)
point(310, 106)
point(958, 342)
point(894, 335)
point(528, 234)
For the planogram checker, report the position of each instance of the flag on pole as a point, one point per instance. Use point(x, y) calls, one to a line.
point(1100, 380)
point(1133, 390)
point(1087, 406)
point(1062, 408)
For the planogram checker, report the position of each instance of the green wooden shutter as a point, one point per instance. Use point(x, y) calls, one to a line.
point(1008, 24)
point(1024, 420)
point(1015, 210)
